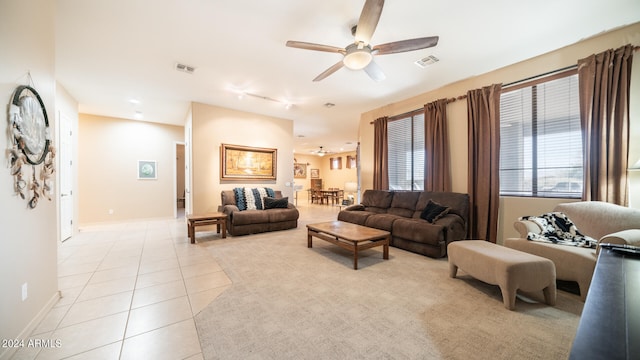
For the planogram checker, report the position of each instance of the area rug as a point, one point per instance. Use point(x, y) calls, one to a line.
point(291, 302)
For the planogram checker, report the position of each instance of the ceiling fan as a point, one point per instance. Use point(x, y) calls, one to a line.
point(359, 55)
point(321, 151)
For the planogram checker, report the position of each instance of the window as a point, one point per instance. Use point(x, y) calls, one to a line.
point(335, 163)
point(405, 146)
point(541, 139)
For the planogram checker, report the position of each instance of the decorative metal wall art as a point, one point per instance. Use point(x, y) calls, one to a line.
point(31, 145)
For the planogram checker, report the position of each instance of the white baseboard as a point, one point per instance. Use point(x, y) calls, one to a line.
point(24, 334)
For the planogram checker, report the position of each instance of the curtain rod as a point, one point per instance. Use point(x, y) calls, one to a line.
point(570, 67)
point(461, 97)
point(400, 115)
point(521, 80)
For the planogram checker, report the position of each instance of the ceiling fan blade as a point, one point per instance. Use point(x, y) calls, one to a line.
point(316, 47)
point(337, 66)
point(375, 71)
point(405, 45)
point(368, 20)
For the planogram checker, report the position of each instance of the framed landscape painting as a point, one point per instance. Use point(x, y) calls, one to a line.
point(247, 163)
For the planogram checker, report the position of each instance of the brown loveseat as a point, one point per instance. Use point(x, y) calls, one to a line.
point(257, 221)
point(399, 213)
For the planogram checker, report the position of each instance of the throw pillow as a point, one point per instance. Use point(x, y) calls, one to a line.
point(433, 211)
point(273, 203)
point(252, 198)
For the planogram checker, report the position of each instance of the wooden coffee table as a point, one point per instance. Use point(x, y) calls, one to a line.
point(350, 236)
point(217, 218)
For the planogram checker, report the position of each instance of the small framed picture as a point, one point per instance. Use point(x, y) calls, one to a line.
point(147, 170)
point(299, 171)
point(315, 173)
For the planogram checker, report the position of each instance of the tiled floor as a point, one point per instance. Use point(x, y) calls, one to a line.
point(129, 291)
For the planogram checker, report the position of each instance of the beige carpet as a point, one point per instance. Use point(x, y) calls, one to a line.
point(291, 302)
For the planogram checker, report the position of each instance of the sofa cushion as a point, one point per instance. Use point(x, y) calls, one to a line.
point(273, 203)
point(419, 231)
point(250, 217)
point(382, 221)
point(354, 216)
point(282, 215)
point(377, 201)
point(433, 211)
point(404, 203)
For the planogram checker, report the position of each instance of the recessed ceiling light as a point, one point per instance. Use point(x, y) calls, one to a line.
point(134, 101)
point(329, 105)
point(138, 115)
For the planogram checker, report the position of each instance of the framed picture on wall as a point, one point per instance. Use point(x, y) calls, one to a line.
point(315, 173)
point(247, 163)
point(300, 171)
point(351, 162)
point(147, 170)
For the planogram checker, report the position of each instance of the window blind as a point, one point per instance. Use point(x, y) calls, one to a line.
point(405, 146)
point(541, 140)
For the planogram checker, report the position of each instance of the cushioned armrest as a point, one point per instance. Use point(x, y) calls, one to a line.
point(228, 209)
point(628, 237)
point(524, 227)
point(357, 207)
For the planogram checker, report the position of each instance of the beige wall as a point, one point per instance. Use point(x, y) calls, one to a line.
point(330, 178)
point(108, 152)
point(28, 246)
point(213, 126)
point(510, 208)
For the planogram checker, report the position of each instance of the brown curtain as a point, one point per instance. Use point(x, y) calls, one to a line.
point(380, 154)
point(437, 172)
point(483, 114)
point(604, 81)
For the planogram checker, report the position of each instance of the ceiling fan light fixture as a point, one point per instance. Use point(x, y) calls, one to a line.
point(357, 59)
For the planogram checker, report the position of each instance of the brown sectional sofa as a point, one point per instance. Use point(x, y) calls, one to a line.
point(257, 221)
point(399, 213)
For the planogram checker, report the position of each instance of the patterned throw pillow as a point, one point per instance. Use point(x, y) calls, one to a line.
point(252, 198)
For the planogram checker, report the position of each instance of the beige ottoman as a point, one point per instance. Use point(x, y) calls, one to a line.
point(510, 269)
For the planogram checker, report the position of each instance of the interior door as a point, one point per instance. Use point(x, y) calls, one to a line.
point(66, 170)
point(187, 169)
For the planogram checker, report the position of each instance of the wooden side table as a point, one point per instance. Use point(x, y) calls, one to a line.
point(217, 218)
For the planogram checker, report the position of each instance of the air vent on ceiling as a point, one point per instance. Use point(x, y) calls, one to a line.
point(426, 61)
point(185, 68)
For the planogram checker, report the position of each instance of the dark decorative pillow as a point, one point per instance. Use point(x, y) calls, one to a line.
point(273, 203)
point(434, 211)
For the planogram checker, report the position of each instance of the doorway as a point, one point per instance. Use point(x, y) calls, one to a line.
point(180, 189)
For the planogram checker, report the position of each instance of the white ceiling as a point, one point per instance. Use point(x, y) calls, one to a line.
point(111, 51)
